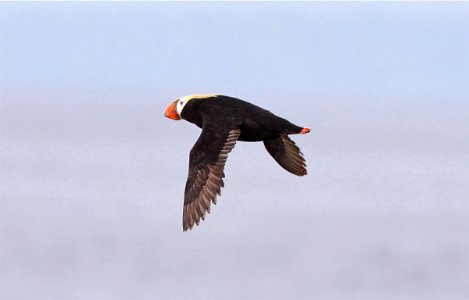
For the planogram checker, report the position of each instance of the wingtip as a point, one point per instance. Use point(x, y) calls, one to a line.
point(187, 227)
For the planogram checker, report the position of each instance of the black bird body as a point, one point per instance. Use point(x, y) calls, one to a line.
point(256, 123)
point(225, 120)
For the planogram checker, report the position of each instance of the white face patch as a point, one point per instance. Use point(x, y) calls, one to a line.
point(183, 101)
point(180, 105)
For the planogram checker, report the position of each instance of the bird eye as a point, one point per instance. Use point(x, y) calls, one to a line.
point(181, 103)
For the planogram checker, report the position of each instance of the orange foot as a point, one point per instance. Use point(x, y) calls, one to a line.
point(305, 130)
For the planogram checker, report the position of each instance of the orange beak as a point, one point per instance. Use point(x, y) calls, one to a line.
point(171, 111)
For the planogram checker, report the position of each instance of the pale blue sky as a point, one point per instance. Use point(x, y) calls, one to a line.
point(418, 51)
point(92, 175)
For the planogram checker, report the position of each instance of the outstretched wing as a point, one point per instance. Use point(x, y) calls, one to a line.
point(206, 163)
point(287, 154)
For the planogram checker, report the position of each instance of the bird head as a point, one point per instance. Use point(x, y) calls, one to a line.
point(174, 110)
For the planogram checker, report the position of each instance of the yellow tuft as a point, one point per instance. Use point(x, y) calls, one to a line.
point(197, 96)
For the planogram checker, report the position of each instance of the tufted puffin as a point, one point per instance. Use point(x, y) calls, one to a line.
point(225, 120)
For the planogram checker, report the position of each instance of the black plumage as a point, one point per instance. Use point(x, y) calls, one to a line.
point(225, 120)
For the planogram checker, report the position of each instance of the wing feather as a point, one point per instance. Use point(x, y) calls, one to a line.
point(205, 179)
point(287, 154)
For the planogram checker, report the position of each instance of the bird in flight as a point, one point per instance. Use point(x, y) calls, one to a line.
point(225, 120)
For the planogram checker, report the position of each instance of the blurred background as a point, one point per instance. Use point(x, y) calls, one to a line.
point(92, 175)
